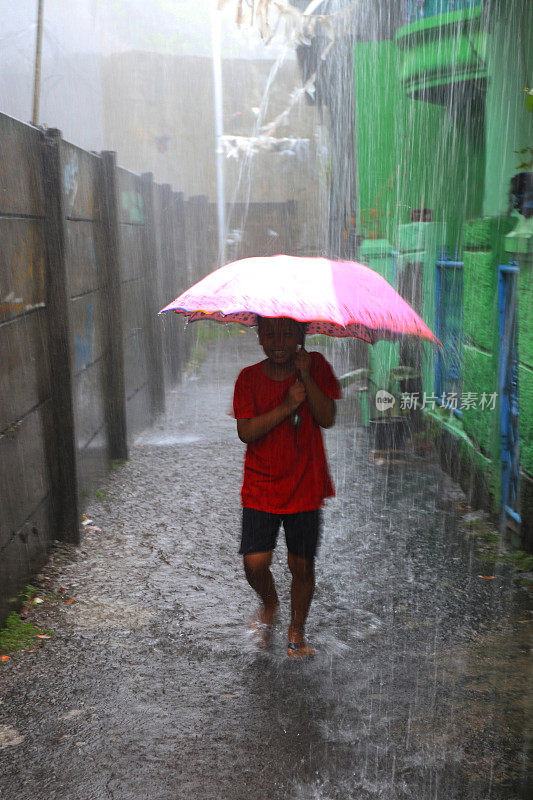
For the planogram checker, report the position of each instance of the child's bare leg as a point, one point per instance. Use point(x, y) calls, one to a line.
point(259, 576)
point(302, 589)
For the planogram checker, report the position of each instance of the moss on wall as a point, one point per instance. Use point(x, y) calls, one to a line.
point(479, 297)
point(525, 314)
point(487, 233)
point(525, 386)
point(479, 376)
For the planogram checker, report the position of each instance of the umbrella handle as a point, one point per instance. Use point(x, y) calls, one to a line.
point(296, 417)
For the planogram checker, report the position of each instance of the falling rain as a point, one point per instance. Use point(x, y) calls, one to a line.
point(143, 145)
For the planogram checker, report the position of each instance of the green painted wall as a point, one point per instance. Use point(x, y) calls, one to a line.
point(420, 242)
point(525, 383)
point(377, 108)
point(525, 357)
point(509, 125)
point(411, 154)
point(456, 157)
point(383, 356)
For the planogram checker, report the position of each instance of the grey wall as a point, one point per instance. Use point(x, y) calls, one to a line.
point(89, 253)
point(25, 401)
point(64, 293)
point(87, 288)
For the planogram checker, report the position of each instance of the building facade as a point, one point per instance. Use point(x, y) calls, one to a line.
point(444, 130)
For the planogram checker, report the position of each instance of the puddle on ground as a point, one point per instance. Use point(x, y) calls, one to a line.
point(162, 440)
point(97, 613)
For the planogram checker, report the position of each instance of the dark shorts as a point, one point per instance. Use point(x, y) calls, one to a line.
point(260, 531)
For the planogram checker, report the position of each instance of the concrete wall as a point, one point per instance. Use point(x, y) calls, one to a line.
point(56, 339)
point(25, 397)
point(87, 309)
point(89, 253)
point(135, 284)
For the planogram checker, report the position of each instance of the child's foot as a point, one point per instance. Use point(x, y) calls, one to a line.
point(260, 627)
point(300, 651)
point(298, 648)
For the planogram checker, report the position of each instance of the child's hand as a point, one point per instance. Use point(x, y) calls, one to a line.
point(302, 362)
point(295, 396)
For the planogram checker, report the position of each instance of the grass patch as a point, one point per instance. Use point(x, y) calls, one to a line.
point(488, 536)
point(102, 494)
point(18, 634)
point(492, 550)
point(520, 560)
point(117, 463)
point(28, 592)
point(480, 530)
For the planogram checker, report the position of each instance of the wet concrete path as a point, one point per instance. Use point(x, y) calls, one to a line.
point(149, 687)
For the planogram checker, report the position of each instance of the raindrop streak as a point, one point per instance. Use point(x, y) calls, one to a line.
point(417, 690)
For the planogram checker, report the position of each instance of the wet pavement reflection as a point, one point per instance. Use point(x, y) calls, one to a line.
point(150, 687)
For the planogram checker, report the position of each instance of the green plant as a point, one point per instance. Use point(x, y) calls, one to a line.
point(102, 494)
point(117, 463)
point(520, 560)
point(28, 592)
point(18, 634)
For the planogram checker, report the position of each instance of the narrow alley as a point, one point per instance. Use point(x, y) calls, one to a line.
point(150, 688)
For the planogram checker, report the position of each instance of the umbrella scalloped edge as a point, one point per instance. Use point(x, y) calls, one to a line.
point(351, 331)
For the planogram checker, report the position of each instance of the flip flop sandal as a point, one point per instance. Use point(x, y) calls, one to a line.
point(300, 651)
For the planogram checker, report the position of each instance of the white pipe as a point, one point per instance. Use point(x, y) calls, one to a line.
point(219, 130)
point(312, 6)
point(38, 60)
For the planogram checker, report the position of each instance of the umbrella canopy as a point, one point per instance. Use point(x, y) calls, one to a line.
point(338, 298)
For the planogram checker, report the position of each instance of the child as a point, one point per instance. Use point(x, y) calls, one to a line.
point(280, 405)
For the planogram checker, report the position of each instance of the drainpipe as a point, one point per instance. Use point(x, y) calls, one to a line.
point(38, 57)
point(219, 130)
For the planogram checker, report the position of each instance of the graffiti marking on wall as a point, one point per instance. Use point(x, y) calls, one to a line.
point(84, 342)
point(70, 181)
point(132, 203)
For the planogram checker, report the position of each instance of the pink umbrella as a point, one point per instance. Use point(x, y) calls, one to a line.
point(338, 298)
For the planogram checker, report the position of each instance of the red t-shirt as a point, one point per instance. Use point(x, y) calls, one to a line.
point(286, 471)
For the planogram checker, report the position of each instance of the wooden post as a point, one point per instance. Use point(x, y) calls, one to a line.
point(64, 467)
point(115, 386)
point(153, 293)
